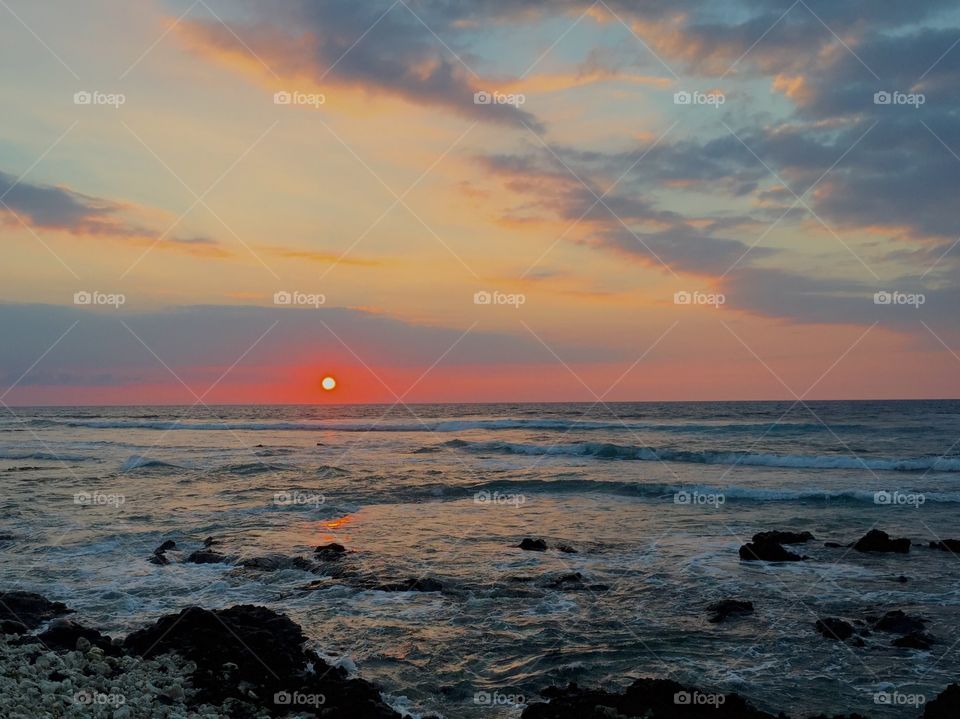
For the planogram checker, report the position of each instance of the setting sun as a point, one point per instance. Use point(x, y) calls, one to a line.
point(328, 383)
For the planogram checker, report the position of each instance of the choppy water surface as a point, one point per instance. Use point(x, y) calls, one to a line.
point(656, 498)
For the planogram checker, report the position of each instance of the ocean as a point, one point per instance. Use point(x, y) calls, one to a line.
point(656, 499)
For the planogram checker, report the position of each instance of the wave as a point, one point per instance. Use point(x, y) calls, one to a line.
point(458, 425)
point(34, 454)
point(629, 452)
point(139, 462)
point(508, 491)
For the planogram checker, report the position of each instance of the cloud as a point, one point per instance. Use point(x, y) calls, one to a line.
point(49, 207)
point(367, 46)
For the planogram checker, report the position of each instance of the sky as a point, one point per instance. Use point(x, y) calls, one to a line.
point(478, 200)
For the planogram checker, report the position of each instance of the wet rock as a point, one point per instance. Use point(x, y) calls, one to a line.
point(947, 545)
point(834, 628)
point(834, 545)
point(166, 546)
point(572, 582)
point(271, 663)
point(780, 537)
point(897, 622)
point(275, 562)
point(566, 549)
point(330, 552)
point(423, 584)
point(29, 609)
point(877, 541)
point(725, 608)
point(68, 634)
point(533, 545)
point(204, 556)
point(915, 640)
point(209, 542)
point(648, 698)
point(768, 551)
point(945, 706)
point(158, 558)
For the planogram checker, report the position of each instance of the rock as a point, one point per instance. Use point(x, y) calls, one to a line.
point(209, 542)
point(275, 562)
point(167, 545)
point(11, 626)
point(203, 556)
point(947, 545)
point(330, 552)
point(424, 584)
point(877, 541)
point(783, 537)
point(768, 551)
point(68, 634)
point(572, 582)
point(158, 558)
point(566, 549)
point(719, 611)
point(29, 609)
point(834, 545)
point(834, 628)
point(648, 698)
point(897, 622)
point(945, 706)
point(915, 640)
point(533, 545)
point(272, 663)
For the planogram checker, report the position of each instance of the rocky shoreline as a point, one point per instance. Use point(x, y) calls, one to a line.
point(251, 662)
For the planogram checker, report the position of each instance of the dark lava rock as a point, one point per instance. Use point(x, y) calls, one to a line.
point(834, 628)
point(915, 640)
point(158, 558)
point(945, 706)
point(648, 698)
point(330, 552)
point(877, 541)
point(10, 626)
point(573, 582)
point(768, 551)
point(64, 633)
point(29, 609)
point(273, 563)
point(566, 549)
point(719, 611)
point(533, 545)
point(203, 556)
point(267, 650)
point(783, 537)
point(424, 584)
point(897, 622)
point(168, 545)
point(834, 545)
point(947, 545)
point(209, 542)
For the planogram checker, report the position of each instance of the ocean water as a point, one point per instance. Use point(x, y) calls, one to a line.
point(655, 497)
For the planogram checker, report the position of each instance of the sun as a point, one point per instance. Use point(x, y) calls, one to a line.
point(328, 383)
